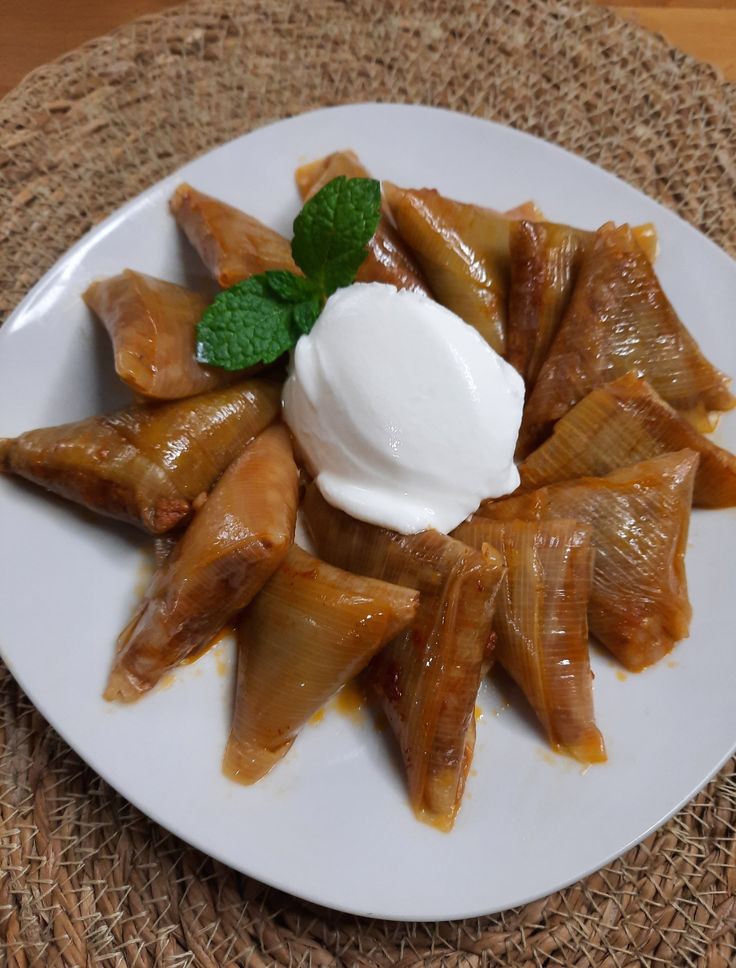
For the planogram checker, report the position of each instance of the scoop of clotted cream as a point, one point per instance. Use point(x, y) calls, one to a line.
point(405, 416)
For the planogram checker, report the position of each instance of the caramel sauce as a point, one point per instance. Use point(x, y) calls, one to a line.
point(215, 640)
point(673, 664)
point(351, 702)
point(556, 757)
point(621, 675)
point(222, 665)
point(478, 713)
point(317, 717)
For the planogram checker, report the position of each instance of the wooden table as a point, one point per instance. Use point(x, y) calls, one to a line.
point(704, 28)
point(35, 31)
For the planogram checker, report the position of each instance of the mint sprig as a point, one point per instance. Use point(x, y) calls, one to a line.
point(260, 318)
point(332, 230)
point(245, 325)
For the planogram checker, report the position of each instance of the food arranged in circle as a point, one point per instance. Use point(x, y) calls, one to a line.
point(494, 428)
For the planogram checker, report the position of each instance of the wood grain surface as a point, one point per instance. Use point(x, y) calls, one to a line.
point(33, 32)
point(704, 28)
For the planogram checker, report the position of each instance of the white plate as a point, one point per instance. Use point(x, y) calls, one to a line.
point(332, 823)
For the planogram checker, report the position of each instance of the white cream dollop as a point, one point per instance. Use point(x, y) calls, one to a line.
point(404, 414)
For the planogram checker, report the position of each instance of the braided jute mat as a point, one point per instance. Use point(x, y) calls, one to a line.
point(88, 880)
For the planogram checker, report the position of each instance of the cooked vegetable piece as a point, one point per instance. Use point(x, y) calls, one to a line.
point(639, 518)
point(526, 210)
point(195, 443)
point(152, 327)
point(619, 320)
point(313, 176)
point(388, 260)
point(310, 629)
point(232, 547)
point(544, 259)
point(647, 239)
point(544, 262)
point(618, 424)
point(464, 252)
point(541, 624)
point(427, 679)
point(231, 244)
point(145, 464)
point(90, 463)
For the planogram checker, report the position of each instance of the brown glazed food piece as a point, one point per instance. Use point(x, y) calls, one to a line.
point(228, 552)
point(544, 263)
point(152, 325)
point(639, 518)
point(619, 424)
point(619, 320)
point(388, 260)
point(309, 630)
point(541, 624)
point(526, 210)
point(463, 251)
point(145, 464)
point(427, 679)
point(231, 244)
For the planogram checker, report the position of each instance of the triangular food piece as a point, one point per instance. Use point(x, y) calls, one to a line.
point(619, 320)
point(463, 251)
point(313, 176)
point(196, 439)
point(152, 325)
point(618, 424)
point(231, 548)
point(427, 679)
point(541, 624)
point(646, 238)
point(526, 210)
point(545, 259)
point(388, 260)
point(231, 244)
point(310, 630)
point(145, 464)
point(639, 518)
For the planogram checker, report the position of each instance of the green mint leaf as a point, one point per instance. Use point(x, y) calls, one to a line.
point(306, 313)
point(332, 230)
point(245, 325)
point(289, 287)
point(260, 318)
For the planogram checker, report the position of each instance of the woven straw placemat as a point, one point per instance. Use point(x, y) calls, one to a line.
point(86, 879)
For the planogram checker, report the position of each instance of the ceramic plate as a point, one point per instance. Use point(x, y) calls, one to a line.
point(331, 823)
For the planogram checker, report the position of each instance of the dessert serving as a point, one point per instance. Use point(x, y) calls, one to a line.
point(491, 426)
